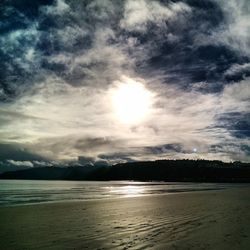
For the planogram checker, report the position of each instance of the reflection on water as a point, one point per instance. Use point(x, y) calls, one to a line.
point(127, 190)
point(16, 192)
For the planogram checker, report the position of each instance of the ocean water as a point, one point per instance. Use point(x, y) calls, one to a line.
point(24, 192)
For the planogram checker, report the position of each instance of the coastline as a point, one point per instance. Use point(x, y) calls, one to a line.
point(193, 220)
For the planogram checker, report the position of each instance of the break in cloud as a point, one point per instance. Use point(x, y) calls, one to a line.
point(60, 60)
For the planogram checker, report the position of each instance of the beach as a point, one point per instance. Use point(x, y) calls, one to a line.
point(216, 219)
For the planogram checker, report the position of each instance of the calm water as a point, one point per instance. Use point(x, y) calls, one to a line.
point(19, 192)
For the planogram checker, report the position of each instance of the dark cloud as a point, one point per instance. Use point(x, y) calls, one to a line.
point(246, 149)
point(184, 60)
point(117, 157)
point(86, 160)
point(17, 153)
point(238, 124)
point(237, 72)
point(167, 148)
point(43, 30)
point(94, 143)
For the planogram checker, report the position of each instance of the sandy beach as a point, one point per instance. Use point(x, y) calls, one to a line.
point(195, 220)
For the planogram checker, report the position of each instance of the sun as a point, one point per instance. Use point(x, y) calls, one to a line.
point(131, 101)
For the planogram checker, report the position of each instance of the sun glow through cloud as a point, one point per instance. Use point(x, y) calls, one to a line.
point(131, 102)
point(116, 81)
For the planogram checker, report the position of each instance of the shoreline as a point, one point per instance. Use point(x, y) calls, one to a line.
point(110, 198)
point(19, 192)
point(192, 220)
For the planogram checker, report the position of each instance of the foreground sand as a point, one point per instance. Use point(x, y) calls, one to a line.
point(197, 220)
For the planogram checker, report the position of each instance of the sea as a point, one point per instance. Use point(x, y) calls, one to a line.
point(27, 192)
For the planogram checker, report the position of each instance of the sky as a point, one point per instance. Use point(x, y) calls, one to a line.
point(105, 81)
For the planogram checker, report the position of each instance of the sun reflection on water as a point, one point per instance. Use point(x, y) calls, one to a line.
point(127, 191)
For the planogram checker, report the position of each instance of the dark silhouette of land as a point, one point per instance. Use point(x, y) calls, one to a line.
point(161, 170)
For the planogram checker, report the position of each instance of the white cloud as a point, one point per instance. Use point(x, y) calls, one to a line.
point(238, 69)
point(137, 14)
point(59, 8)
point(42, 163)
point(236, 97)
point(237, 32)
point(21, 163)
point(20, 44)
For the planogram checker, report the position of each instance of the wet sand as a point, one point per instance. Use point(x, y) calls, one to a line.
point(196, 220)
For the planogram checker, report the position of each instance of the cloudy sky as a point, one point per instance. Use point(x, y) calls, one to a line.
point(124, 80)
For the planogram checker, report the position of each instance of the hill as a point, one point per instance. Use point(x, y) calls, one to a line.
point(162, 170)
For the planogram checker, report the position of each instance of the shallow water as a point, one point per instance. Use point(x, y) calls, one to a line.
point(22, 192)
